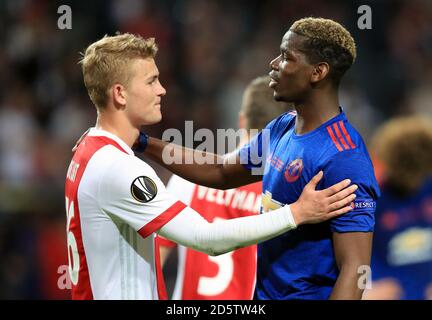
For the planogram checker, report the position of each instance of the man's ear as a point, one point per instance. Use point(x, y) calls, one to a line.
point(320, 71)
point(119, 95)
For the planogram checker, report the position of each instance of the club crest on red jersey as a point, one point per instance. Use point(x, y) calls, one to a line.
point(294, 170)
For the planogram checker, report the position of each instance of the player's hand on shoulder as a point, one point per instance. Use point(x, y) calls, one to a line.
point(315, 206)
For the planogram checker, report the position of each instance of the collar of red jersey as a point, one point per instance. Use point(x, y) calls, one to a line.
point(94, 132)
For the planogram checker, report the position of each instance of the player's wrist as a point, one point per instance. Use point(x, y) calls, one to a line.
point(141, 143)
point(290, 216)
point(296, 213)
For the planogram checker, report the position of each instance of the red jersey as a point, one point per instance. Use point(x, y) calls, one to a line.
point(229, 276)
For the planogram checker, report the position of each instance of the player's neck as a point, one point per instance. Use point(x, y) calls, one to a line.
point(119, 127)
point(316, 111)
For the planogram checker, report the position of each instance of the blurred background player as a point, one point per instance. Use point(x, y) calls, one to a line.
point(402, 250)
point(231, 275)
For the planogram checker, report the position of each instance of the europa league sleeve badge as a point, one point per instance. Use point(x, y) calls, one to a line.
point(143, 189)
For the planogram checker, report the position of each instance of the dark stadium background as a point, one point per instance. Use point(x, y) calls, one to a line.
point(209, 51)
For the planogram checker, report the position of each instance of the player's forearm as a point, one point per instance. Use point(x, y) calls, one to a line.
point(182, 162)
point(352, 253)
point(191, 230)
point(247, 231)
point(347, 285)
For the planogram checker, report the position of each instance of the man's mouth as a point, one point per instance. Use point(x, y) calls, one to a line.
point(273, 83)
point(273, 80)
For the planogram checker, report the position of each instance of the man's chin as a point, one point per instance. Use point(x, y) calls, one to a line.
point(281, 98)
point(277, 96)
point(154, 120)
point(159, 119)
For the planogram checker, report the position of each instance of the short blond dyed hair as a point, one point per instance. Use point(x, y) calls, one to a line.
point(327, 41)
point(107, 61)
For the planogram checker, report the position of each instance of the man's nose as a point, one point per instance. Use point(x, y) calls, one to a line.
point(274, 64)
point(161, 90)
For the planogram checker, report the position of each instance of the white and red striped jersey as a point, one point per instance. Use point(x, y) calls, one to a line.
point(114, 204)
point(229, 276)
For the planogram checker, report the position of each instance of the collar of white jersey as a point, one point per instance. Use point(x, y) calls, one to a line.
point(94, 132)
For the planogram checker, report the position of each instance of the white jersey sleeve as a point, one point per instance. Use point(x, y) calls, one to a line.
point(180, 188)
point(191, 230)
point(130, 191)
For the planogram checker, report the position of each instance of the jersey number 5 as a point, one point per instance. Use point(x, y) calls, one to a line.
point(74, 263)
point(212, 286)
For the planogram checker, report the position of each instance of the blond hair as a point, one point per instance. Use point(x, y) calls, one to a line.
point(259, 106)
point(107, 61)
point(327, 41)
point(404, 146)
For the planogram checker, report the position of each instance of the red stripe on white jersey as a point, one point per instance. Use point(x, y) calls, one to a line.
point(164, 242)
point(87, 148)
point(162, 293)
point(161, 219)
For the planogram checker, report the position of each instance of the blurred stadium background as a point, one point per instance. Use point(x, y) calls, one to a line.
point(209, 51)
